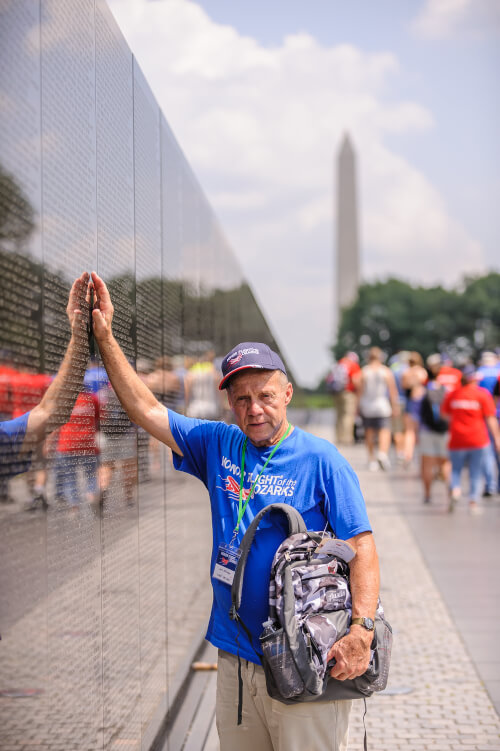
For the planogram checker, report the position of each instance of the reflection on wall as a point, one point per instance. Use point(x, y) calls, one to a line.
point(98, 618)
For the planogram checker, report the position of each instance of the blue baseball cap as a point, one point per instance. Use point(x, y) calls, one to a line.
point(249, 355)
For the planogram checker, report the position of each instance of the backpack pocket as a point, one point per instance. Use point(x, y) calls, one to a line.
point(324, 629)
point(375, 678)
point(278, 661)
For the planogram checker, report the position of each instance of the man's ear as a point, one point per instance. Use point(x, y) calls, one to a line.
point(288, 393)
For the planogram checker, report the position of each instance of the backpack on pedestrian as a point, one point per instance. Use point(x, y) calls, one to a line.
point(430, 408)
point(337, 379)
point(309, 610)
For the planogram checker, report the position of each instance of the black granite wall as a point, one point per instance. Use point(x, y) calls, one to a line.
point(95, 602)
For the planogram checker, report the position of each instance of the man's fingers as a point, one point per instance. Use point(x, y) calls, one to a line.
point(80, 286)
point(339, 676)
point(343, 674)
point(83, 279)
point(81, 283)
point(100, 288)
point(99, 319)
point(351, 658)
point(77, 302)
point(103, 307)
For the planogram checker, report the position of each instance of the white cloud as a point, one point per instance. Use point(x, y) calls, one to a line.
point(445, 18)
point(261, 127)
point(408, 228)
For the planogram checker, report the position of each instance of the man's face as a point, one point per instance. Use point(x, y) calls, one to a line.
point(258, 399)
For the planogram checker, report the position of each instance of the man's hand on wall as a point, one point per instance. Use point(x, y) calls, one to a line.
point(102, 313)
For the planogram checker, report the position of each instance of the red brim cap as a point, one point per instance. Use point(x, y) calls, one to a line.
point(249, 355)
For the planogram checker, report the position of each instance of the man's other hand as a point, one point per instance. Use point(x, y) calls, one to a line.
point(77, 308)
point(351, 654)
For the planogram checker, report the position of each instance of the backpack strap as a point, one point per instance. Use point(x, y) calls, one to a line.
point(295, 524)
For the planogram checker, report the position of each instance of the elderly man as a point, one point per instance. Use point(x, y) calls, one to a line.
point(260, 460)
point(19, 437)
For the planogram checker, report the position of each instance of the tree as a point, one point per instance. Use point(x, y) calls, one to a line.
point(395, 315)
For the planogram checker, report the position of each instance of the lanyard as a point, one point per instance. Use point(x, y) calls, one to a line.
point(242, 506)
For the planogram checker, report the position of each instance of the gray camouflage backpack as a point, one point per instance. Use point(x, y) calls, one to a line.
point(309, 610)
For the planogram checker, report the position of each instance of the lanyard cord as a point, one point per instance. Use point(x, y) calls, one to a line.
point(242, 506)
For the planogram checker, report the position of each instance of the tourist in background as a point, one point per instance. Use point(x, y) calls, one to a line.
point(378, 402)
point(399, 365)
point(471, 412)
point(433, 439)
point(487, 376)
point(341, 382)
point(413, 381)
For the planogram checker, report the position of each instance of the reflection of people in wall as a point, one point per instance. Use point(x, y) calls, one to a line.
point(21, 435)
point(165, 384)
point(201, 388)
point(76, 450)
point(26, 391)
point(276, 462)
point(118, 449)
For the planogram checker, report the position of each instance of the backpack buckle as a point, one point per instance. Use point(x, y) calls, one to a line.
point(233, 613)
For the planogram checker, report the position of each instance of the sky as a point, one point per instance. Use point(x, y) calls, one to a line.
point(259, 96)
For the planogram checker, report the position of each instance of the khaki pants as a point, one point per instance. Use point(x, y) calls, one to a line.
point(346, 405)
point(269, 725)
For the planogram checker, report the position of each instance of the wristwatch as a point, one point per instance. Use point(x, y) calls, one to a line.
point(365, 622)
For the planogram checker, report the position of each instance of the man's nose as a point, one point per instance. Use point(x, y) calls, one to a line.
point(255, 407)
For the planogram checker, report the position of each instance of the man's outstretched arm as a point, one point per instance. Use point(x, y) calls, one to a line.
point(137, 400)
point(58, 401)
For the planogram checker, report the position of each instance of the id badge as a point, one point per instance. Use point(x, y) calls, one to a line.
point(225, 563)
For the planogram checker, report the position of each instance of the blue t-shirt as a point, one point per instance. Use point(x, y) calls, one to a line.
point(305, 472)
point(487, 376)
point(12, 434)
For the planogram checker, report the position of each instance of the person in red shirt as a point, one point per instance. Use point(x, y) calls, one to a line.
point(77, 449)
point(471, 411)
point(449, 377)
point(27, 390)
point(7, 375)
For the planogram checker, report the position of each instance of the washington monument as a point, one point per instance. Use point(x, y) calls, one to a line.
point(347, 228)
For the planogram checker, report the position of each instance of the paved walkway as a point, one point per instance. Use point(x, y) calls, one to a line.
point(436, 587)
point(439, 589)
point(447, 706)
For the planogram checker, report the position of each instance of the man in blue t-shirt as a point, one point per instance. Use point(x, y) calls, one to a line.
point(487, 376)
point(18, 437)
point(270, 461)
point(13, 460)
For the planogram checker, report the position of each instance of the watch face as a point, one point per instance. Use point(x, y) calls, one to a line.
point(369, 624)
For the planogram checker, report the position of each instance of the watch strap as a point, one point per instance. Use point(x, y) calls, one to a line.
point(364, 622)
